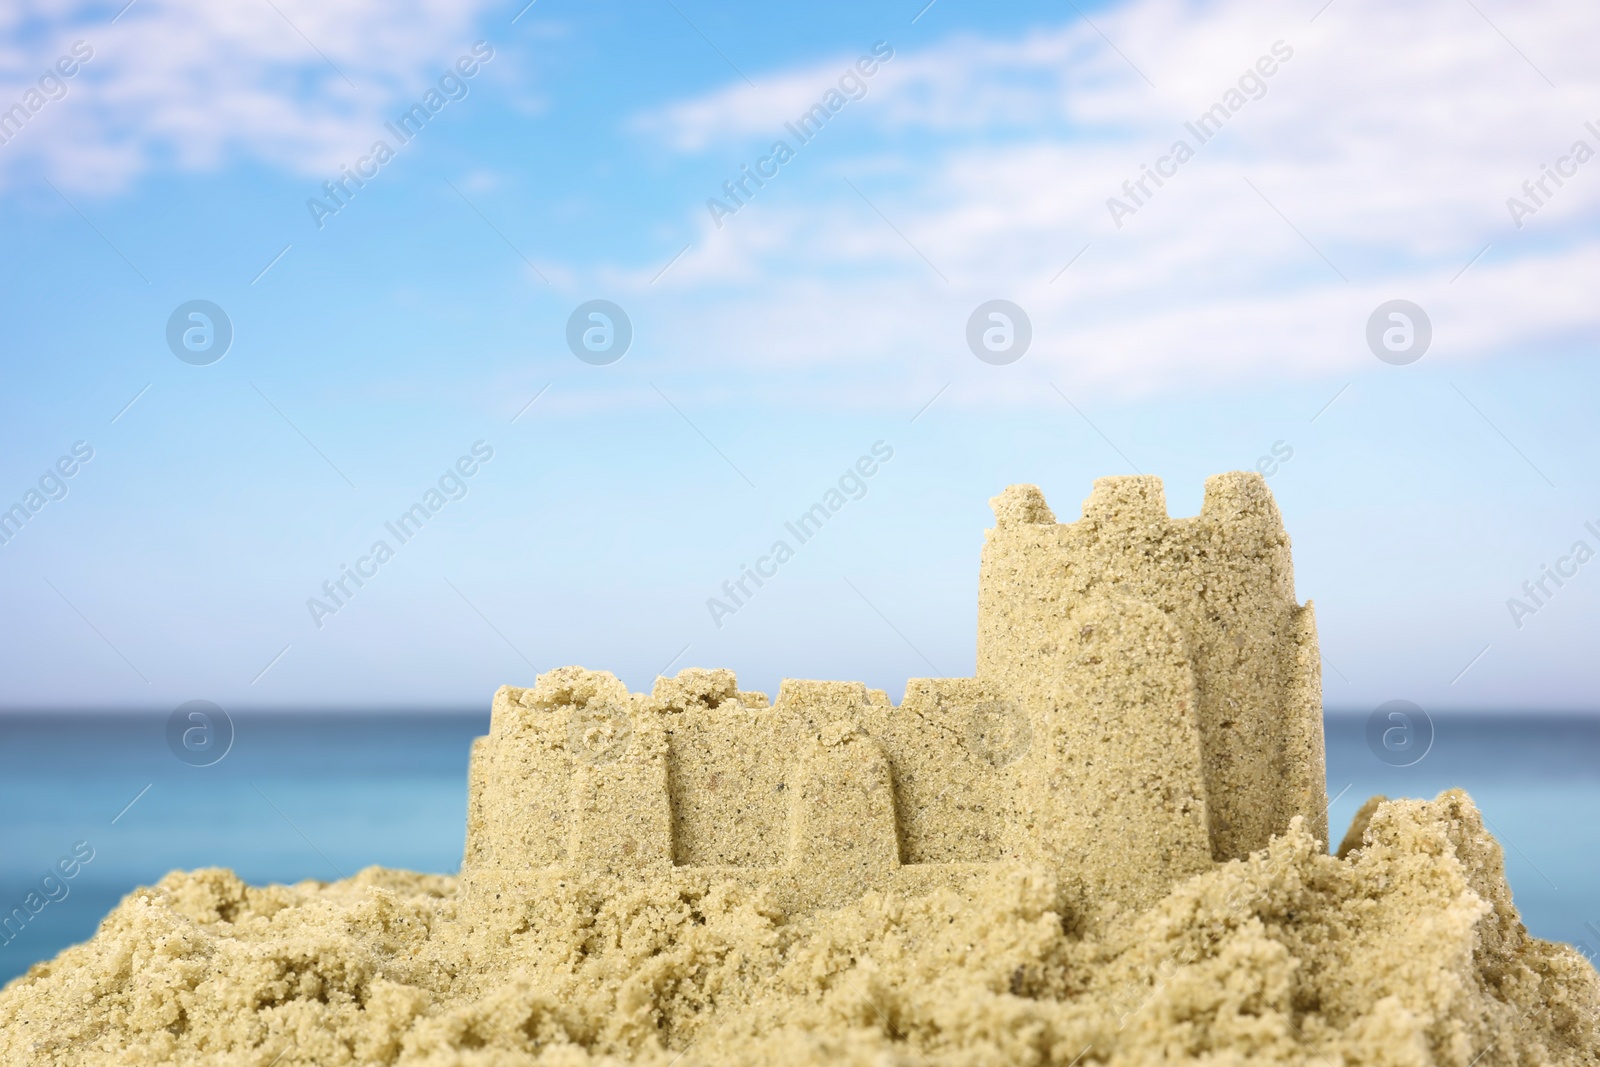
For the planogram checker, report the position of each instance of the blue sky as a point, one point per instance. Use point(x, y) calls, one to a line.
point(1221, 319)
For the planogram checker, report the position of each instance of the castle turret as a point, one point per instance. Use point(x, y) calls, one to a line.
point(1223, 581)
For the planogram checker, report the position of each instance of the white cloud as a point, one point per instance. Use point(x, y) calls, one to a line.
point(299, 84)
point(1388, 143)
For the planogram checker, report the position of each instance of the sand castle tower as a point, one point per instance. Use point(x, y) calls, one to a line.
point(1147, 702)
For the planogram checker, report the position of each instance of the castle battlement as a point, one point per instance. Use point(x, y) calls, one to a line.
point(1147, 702)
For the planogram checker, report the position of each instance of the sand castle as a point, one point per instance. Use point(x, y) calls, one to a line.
point(1147, 703)
point(1107, 849)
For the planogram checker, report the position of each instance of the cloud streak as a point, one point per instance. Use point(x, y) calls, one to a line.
point(295, 84)
point(1376, 163)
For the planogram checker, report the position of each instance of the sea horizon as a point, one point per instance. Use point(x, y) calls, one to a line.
point(306, 793)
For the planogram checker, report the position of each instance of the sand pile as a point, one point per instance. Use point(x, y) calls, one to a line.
point(1406, 951)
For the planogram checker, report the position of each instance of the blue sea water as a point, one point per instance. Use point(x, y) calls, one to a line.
point(309, 795)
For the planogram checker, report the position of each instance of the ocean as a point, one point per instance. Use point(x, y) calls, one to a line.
point(321, 795)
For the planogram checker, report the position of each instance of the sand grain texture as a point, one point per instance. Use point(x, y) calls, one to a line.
point(1408, 951)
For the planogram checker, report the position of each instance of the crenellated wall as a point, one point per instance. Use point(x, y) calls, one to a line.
point(1147, 701)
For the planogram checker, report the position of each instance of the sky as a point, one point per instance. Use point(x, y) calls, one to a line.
point(420, 327)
